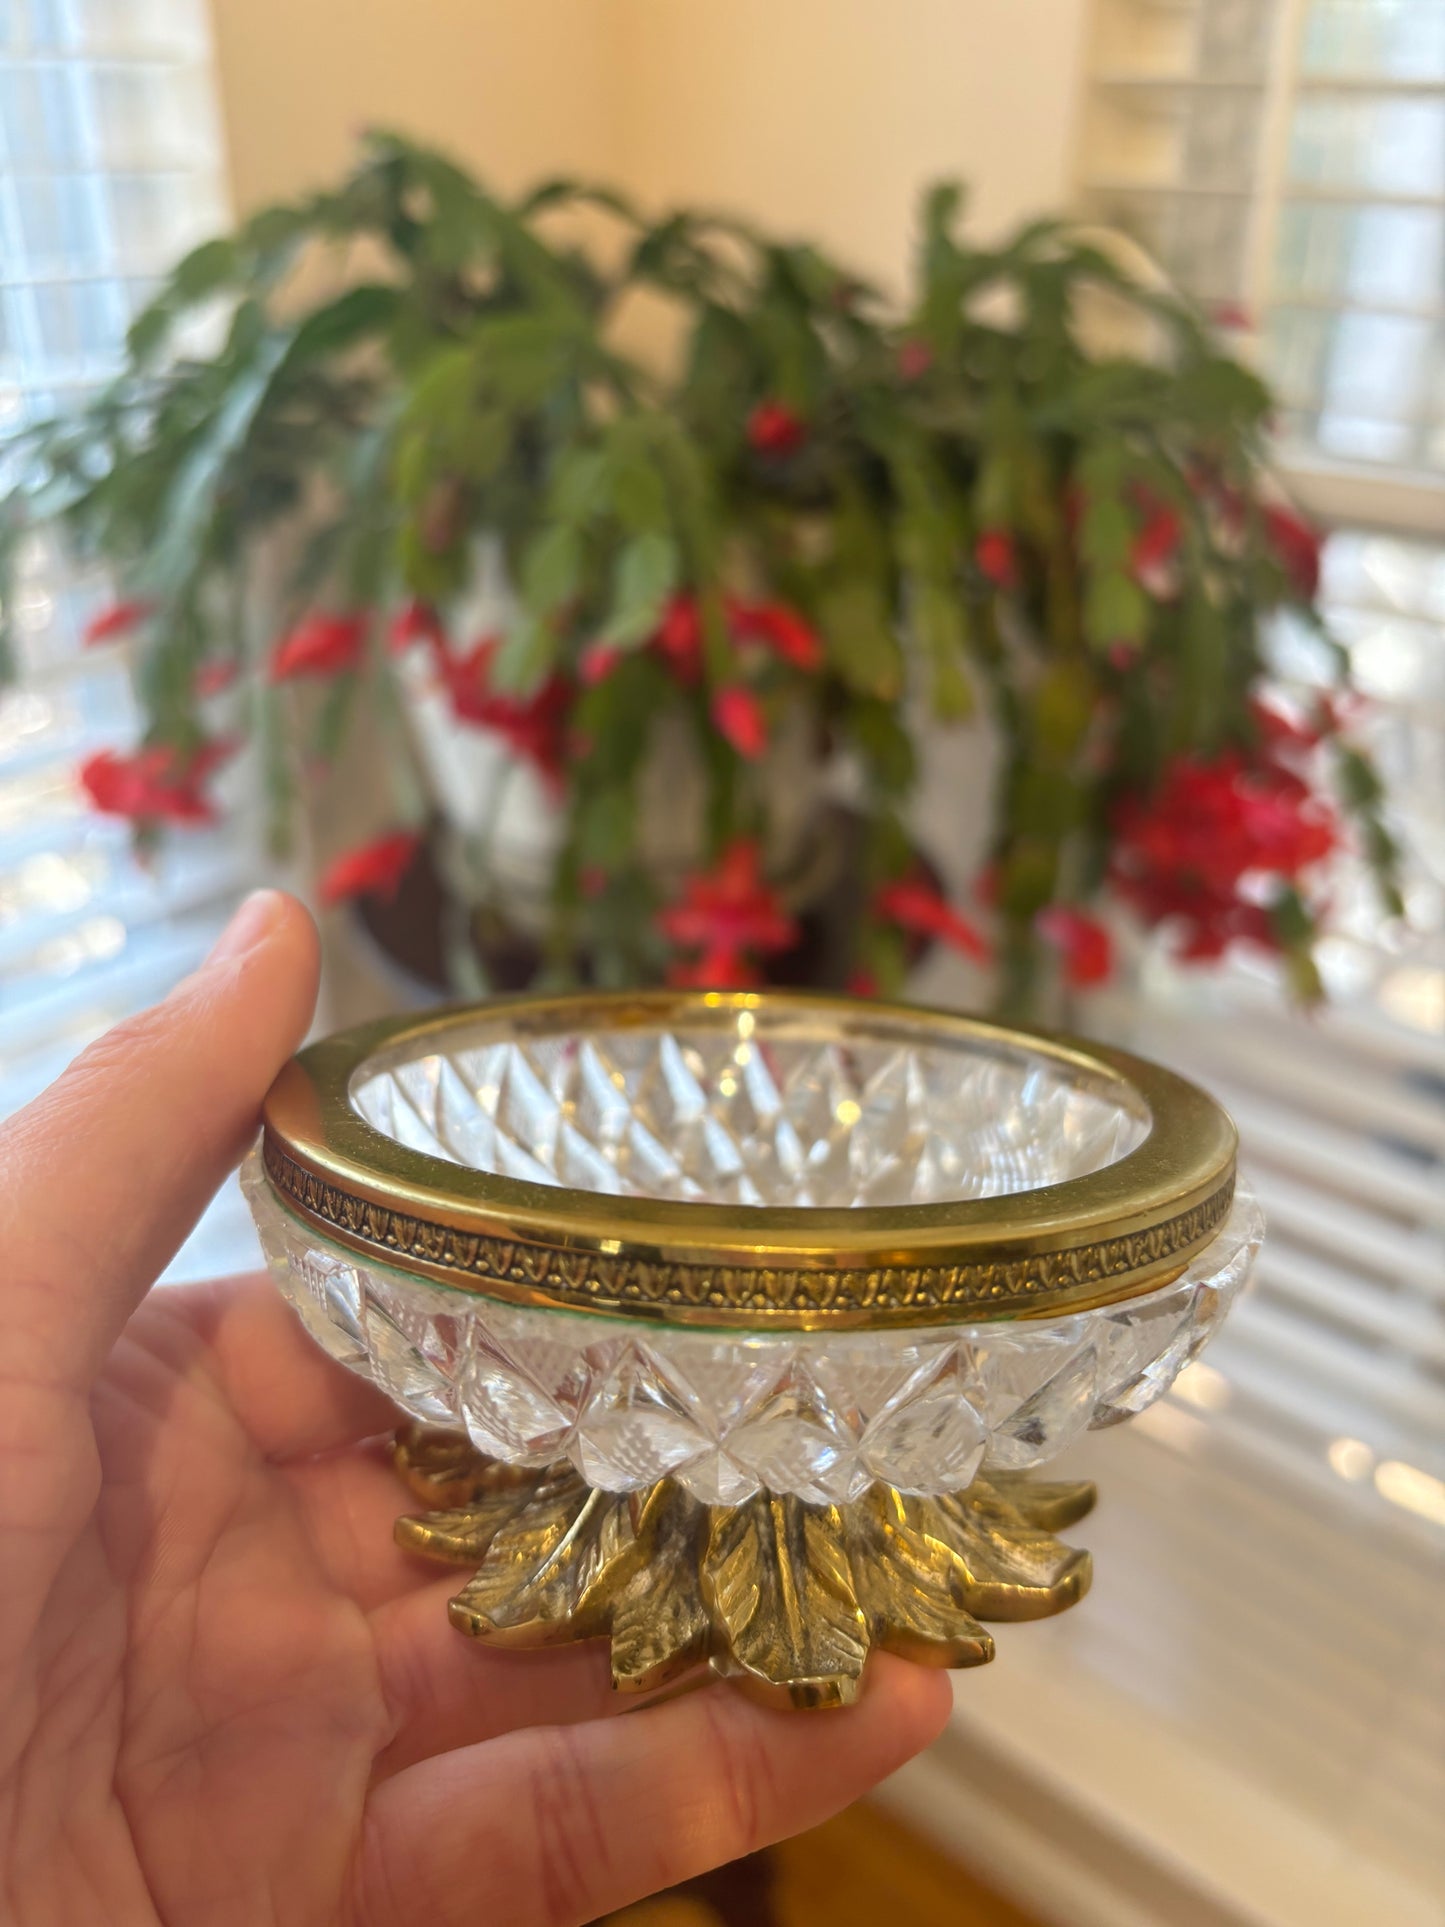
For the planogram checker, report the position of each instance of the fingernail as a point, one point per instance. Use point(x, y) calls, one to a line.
point(250, 926)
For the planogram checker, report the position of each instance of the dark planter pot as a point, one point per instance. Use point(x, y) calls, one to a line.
point(406, 935)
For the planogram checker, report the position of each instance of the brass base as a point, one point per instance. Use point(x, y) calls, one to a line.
point(784, 1598)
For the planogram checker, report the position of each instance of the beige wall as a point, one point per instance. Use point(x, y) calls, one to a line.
point(518, 88)
point(824, 116)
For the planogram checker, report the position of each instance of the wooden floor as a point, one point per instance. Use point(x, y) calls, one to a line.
point(857, 1871)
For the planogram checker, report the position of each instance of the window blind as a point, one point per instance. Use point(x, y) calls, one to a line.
point(1336, 1365)
point(1285, 161)
point(110, 168)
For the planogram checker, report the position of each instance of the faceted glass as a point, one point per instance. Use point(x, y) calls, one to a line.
point(749, 1120)
point(822, 1414)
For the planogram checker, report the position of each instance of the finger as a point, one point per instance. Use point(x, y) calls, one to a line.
point(108, 1170)
point(447, 1691)
point(292, 1400)
point(555, 1826)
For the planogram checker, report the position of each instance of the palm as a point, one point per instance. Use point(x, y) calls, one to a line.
point(225, 1695)
point(232, 1656)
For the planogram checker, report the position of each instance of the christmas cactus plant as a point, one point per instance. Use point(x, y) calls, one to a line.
point(812, 515)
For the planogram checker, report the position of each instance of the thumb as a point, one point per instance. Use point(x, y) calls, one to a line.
point(103, 1176)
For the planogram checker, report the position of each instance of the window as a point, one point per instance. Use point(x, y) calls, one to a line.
point(1285, 161)
point(110, 167)
point(1357, 290)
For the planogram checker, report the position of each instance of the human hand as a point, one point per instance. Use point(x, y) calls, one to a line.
point(225, 1694)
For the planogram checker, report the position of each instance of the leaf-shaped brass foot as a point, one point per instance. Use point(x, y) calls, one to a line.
point(784, 1598)
point(778, 1585)
point(445, 1468)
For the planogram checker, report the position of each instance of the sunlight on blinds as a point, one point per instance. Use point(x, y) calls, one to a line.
point(1271, 1551)
point(1285, 161)
point(110, 168)
point(1356, 334)
point(1336, 1366)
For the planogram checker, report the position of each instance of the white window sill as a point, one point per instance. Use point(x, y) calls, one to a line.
point(1243, 1723)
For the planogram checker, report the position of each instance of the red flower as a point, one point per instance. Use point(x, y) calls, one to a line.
point(215, 676)
point(740, 719)
point(154, 785)
point(1216, 822)
point(915, 358)
point(679, 638)
point(1296, 548)
point(118, 619)
point(996, 554)
point(1155, 549)
point(773, 429)
point(468, 681)
point(725, 917)
point(1285, 733)
point(1226, 924)
point(1207, 922)
point(319, 645)
point(716, 969)
point(535, 726)
point(1084, 944)
point(863, 983)
point(782, 629)
point(916, 906)
point(1198, 852)
point(416, 621)
point(599, 660)
point(372, 869)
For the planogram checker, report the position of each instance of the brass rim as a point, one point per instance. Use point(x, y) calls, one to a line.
point(1093, 1240)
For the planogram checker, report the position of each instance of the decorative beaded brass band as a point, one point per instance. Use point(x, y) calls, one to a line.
point(1110, 1235)
point(640, 1287)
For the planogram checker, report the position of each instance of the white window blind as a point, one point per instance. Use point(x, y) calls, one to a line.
point(1335, 1366)
point(1285, 162)
point(110, 169)
point(1356, 288)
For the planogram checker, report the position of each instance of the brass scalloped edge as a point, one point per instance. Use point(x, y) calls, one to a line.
point(598, 1282)
point(783, 1598)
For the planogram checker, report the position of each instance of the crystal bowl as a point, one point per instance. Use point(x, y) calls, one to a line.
point(747, 1248)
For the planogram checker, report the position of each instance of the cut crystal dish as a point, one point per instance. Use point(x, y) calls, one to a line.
point(706, 1253)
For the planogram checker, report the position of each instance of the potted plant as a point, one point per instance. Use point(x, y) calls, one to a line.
point(633, 626)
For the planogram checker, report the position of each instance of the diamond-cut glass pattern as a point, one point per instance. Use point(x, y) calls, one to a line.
point(733, 1117)
point(819, 1414)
